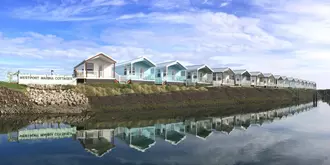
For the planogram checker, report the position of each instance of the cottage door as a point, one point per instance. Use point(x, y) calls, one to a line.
point(100, 71)
point(141, 73)
point(173, 75)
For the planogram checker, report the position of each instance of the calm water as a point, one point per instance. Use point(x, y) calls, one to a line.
point(293, 135)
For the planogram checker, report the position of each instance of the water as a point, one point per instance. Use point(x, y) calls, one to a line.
point(293, 135)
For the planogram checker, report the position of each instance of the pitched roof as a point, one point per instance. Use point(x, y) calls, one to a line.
point(284, 77)
point(256, 73)
point(240, 71)
point(268, 75)
point(290, 78)
point(138, 59)
point(278, 77)
point(197, 67)
point(96, 56)
point(221, 69)
point(169, 63)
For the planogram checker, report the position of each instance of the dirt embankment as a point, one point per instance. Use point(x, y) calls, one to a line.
point(214, 97)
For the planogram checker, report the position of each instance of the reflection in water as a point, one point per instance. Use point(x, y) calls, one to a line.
point(98, 142)
point(101, 141)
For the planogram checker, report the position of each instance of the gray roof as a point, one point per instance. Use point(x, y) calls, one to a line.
point(196, 67)
point(268, 74)
point(136, 60)
point(240, 71)
point(256, 73)
point(284, 77)
point(220, 69)
point(169, 63)
point(290, 78)
point(278, 77)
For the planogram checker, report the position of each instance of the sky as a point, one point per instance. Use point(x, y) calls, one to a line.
point(283, 37)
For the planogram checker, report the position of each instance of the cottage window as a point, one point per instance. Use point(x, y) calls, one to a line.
point(237, 79)
point(89, 67)
point(133, 71)
point(232, 77)
point(219, 78)
point(125, 70)
point(158, 73)
point(214, 76)
point(195, 75)
point(183, 73)
point(189, 75)
point(248, 78)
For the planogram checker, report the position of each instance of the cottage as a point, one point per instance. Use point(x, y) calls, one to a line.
point(269, 80)
point(137, 70)
point(199, 74)
point(279, 82)
point(257, 79)
point(98, 68)
point(285, 82)
point(223, 76)
point(242, 78)
point(171, 72)
point(97, 141)
point(291, 82)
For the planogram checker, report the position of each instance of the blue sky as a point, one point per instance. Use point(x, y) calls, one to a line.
point(287, 37)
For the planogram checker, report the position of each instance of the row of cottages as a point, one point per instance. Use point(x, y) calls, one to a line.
point(102, 68)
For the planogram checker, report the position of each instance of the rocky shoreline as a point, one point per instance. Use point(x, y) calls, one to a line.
point(63, 100)
point(42, 99)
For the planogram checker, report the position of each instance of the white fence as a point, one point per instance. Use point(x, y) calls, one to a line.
point(30, 79)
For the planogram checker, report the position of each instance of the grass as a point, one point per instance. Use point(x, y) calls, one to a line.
point(13, 86)
point(120, 89)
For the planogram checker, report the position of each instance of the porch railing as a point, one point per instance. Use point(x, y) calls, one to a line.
point(125, 78)
point(91, 74)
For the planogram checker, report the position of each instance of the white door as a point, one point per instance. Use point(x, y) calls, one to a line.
point(100, 71)
point(141, 73)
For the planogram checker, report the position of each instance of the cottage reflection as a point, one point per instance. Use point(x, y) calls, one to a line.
point(173, 133)
point(98, 142)
point(201, 129)
point(140, 139)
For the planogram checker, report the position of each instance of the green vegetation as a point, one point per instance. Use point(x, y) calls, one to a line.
point(119, 89)
point(13, 86)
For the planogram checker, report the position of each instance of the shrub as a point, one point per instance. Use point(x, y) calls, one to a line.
point(126, 90)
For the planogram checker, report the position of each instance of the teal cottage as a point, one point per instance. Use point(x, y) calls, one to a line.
point(141, 70)
point(172, 72)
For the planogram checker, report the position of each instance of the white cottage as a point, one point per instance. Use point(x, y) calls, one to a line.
point(223, 76)
point(279, 82)
point(242, 77)
point(199, 74)
point(257, 79)
point(269, 80)
point(285, 82)
point(98, 68)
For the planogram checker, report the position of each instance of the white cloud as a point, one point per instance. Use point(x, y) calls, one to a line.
point(286, 37)
point(68, 10)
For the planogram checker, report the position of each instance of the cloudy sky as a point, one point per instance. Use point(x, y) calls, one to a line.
point(287, 37)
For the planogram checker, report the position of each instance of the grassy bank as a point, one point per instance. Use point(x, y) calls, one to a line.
point(120, 89)
point(13, 86)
